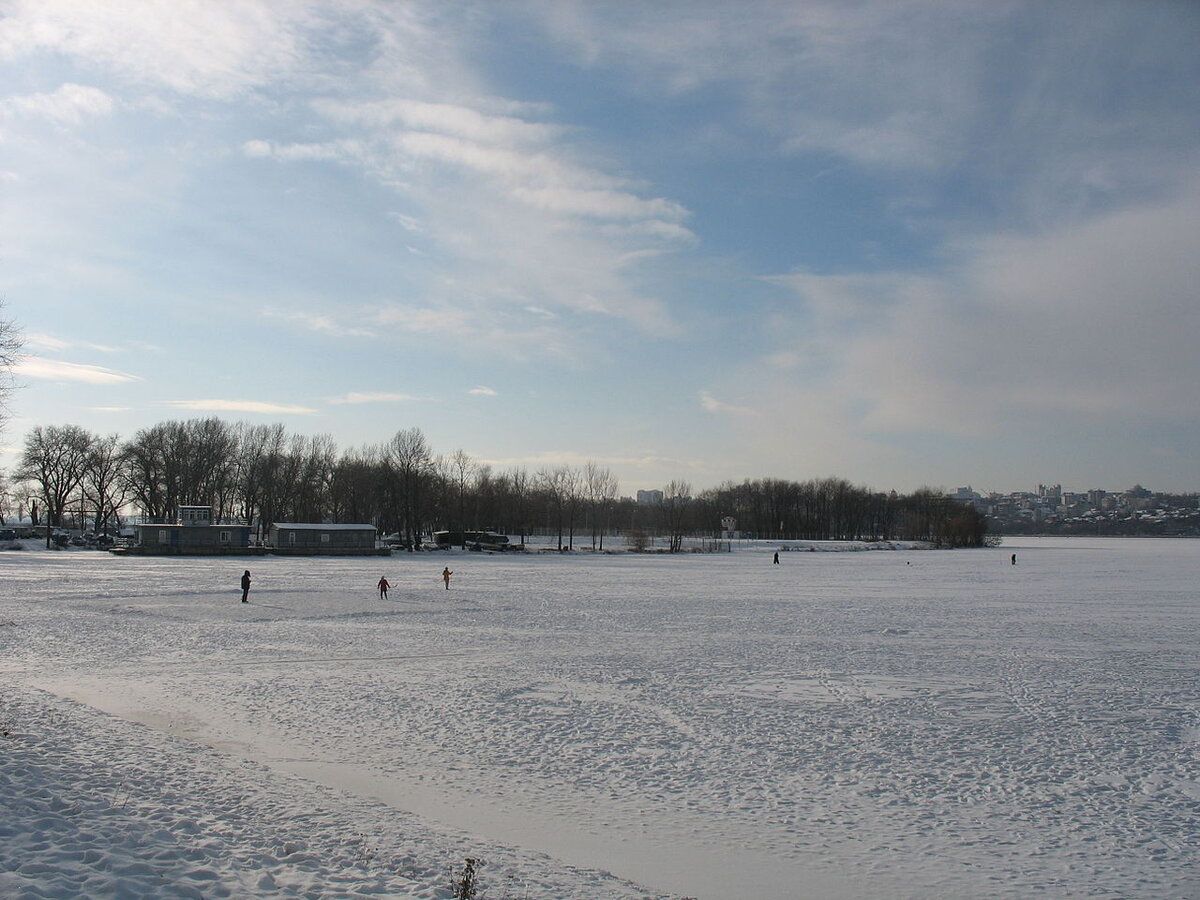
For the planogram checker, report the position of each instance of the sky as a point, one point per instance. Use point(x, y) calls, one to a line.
point(903, 243)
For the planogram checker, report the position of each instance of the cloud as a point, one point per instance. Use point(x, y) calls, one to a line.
point(510, 211)
point(246, 406)
point(45, 342)
point(1094, 322)
point(442, 118)
point(68, 106)
point(49, 342)
point(359, 397)
point(190, 47)
point(881, 83)
point(57, 370)
point(344, 150)
point(257, 148)
point(713, 405)
point(600, 204)
point(448, 320)
point(553, 458)
point(1099, 112)
point(320, 323)
point(483, 392)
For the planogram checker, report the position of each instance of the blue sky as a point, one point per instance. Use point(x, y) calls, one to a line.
point(903, 243)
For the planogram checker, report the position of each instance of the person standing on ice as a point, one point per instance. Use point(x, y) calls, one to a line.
point(446, 573)
point(776, 559)
point(246, 586)
point(383, 586)
point(1014, 559)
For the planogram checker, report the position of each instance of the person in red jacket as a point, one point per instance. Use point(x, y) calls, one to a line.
point(383, 586)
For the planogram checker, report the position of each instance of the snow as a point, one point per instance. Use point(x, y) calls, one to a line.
point(900, 724)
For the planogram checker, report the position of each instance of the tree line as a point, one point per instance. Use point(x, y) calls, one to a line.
point(262, 474)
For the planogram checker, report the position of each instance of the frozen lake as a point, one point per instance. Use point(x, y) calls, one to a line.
point(844, 724)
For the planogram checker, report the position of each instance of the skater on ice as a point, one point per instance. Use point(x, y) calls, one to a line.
point(383, 588)
point(246, 586)
point(776, 559)
point(446, 573)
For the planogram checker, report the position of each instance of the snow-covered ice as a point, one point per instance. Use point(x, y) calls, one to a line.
point(902, 724)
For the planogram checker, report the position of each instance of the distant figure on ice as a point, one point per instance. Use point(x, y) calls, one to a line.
point(246, 586)
point(776, 559)
point(1014, 559)
point(383, 586)
point(446, 573)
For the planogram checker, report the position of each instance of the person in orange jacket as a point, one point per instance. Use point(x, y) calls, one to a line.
point(446, 573)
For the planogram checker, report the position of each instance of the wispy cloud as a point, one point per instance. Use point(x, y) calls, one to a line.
point(45, 342)
point(55, 344)
point(193, 49)
point(1068, 324)
point(58, 370)
point(455, 119)
point(713, 405)
point(244, 406)
point(68, 106)
point(925, 91)
point(551, 458)
point(483, 392)
point(359, 397)
point(320, 323)
point(507, 202)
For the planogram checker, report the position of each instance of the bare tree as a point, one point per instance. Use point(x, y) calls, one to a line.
point(103, 485)
point(677, 497)
point(559, 486)
point(411, 467)
point(10, 353)
point(487, 491)
point(356, 486)
point(176, 463)
point(55, 460)
point(461, 468)
point(600, 488)
point(518, 488)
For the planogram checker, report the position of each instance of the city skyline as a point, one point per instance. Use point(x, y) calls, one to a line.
point(900, 244)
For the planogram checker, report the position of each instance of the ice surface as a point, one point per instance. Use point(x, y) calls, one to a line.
point(894, 724)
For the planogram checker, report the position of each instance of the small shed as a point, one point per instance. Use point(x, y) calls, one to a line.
point(308, 539)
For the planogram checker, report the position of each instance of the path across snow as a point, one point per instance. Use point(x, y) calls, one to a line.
point(892, 724)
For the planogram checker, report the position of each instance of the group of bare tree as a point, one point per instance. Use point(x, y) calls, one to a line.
point(261, 474)
point(835, 509)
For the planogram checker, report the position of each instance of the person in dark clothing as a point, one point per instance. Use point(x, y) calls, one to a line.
point(246, 586)
point(776, 559)
point(383, 586)
point(1014, 559)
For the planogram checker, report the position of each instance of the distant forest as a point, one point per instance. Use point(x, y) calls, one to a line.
point(261, 474)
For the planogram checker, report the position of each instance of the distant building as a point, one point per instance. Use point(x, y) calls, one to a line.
point(649, 498)
point(307, 539)
point(193, 533)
